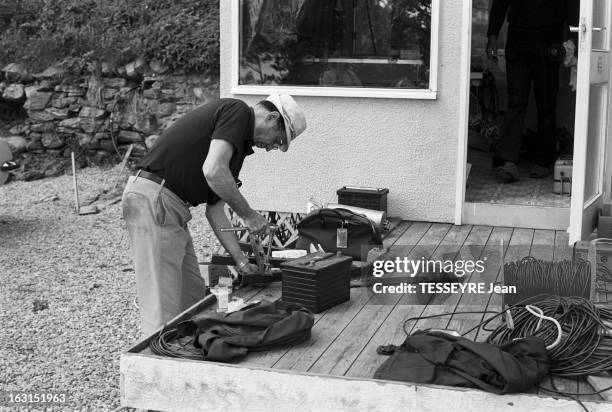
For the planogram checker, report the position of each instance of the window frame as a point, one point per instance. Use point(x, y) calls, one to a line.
point(330, 91)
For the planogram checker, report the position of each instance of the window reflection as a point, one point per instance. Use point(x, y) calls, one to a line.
point(342, 43)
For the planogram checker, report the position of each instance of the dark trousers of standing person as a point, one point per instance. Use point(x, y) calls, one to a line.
point(527, 63)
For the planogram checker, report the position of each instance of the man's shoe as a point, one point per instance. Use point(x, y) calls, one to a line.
point(508, 172)
point(538, 172)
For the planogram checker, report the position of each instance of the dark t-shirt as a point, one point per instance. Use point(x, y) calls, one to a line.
point(179, 153)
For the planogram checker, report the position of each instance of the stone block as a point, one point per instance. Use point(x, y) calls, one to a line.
point(69, 89)
point(93, 112)
point(127, 136)
point(86, 140)
point(33, 146)
point(106, 145)
point(55, 72)
point(52, 141)
point(42, 127)
point(63, 102)
point(14, 94)
point(35, 137)
point(36, 100)
point(46, 85)
point(15, 72)
point(109, 93)
point(128, 120)
point(102, 135)
point(89, 124)
point(58, 114)
point(146, 123)
point(165, 109)
point(17, 144)
point(19, 129)
point(40, 116)
point(71, 123)
point(152, 94)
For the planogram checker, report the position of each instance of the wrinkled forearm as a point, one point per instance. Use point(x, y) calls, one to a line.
point(217, 219)
point(221, 181)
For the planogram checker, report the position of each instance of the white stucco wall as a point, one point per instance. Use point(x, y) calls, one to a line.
point(408, 146)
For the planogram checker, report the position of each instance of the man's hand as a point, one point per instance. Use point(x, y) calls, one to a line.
point(249, 269)
point(491, 49)
point(256, 223)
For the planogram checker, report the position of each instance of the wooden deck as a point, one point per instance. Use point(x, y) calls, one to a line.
point(344, 338)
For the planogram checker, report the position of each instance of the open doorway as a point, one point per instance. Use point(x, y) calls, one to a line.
point(487, 107)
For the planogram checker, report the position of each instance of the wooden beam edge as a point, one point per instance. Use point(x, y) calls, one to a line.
point(151, 382)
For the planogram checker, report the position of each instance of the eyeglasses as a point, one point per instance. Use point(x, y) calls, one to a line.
point(281, 128)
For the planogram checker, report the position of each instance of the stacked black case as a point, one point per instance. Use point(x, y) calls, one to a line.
point(317, 281)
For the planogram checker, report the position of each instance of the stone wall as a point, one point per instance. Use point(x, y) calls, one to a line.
point(54, 113)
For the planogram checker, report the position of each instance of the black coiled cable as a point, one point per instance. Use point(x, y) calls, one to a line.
point(585, 347)
point(168, 343)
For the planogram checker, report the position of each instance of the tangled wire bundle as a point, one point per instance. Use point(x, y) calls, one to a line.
point(585, 346)
point(533, 276)
point(168, 343)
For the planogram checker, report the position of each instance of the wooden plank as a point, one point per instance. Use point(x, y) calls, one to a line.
point(519, 246)
point(448, 250)
point(395, 232)
point(302, 357)
point(150, 382)
point(439, 322)
point(463, 322)
point(492, 256)
point(338, 358)
point(543, 245)
point(598, 383)
point(472, 249)
point(390, 332)
point(585, 385)
point(562, 248)
point(426, 246)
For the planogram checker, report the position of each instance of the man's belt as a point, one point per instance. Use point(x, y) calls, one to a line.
point(156, 179)
point(150, 176)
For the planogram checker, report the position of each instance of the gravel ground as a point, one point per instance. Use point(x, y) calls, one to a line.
point(67, 289)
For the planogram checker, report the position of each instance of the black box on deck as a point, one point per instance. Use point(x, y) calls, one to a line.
point(317, 281)
point(366, 197)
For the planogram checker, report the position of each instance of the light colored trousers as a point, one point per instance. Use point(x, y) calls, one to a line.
point(168, 277)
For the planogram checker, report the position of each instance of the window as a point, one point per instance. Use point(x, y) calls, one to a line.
point(376, 48)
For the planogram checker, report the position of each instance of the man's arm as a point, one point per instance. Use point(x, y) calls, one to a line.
point(497, 16)
point(219, 177)
point(217, 219)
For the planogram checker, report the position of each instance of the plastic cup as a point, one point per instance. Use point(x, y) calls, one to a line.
point(222, 295)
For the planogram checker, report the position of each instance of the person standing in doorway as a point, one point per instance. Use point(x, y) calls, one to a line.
point(536, 30)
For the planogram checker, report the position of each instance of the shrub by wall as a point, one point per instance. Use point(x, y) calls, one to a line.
point(177, 34)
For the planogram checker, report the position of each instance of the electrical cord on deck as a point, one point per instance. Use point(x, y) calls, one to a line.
point(168, 343)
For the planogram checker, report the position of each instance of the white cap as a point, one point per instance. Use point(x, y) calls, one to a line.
point(293, 116)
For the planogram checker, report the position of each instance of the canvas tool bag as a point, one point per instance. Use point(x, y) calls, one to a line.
point(320, 227)
point(442, 359)
point(258, 327)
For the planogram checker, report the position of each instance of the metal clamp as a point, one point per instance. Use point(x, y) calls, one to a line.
point(261, 257)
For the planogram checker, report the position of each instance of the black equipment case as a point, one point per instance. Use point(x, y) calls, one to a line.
point(317, 281)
